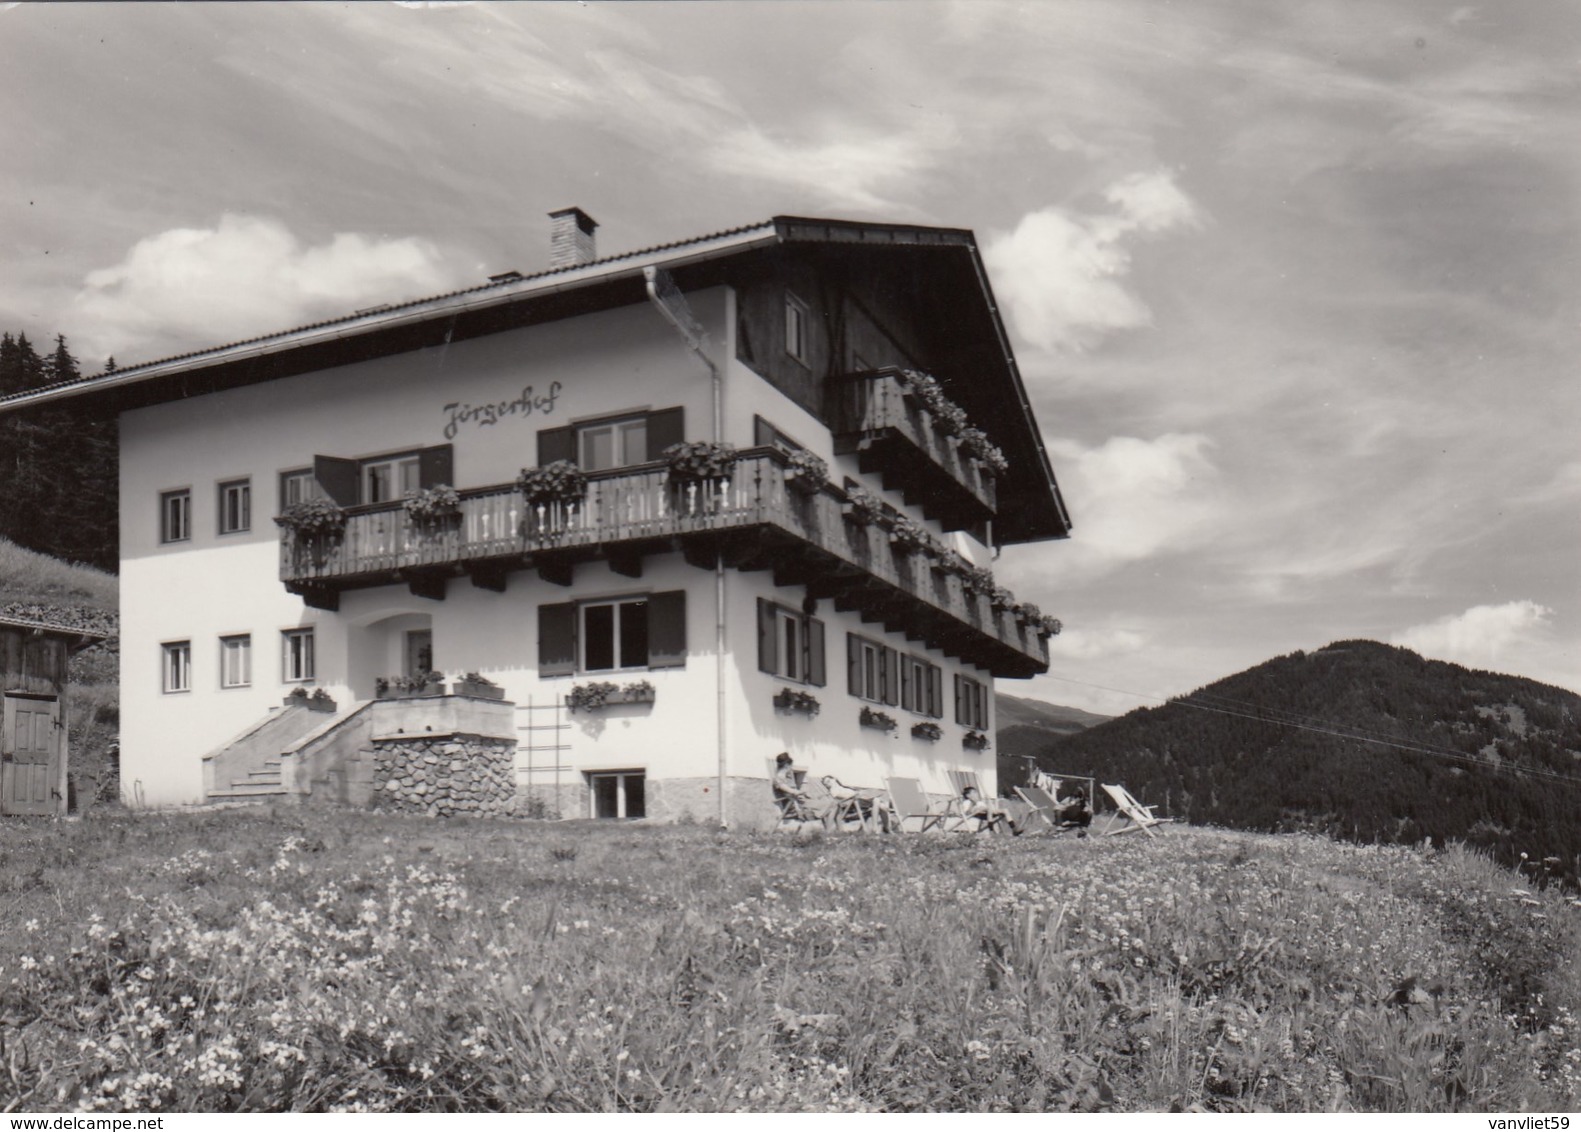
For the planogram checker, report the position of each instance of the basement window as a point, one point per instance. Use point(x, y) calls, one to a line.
point(619, 794)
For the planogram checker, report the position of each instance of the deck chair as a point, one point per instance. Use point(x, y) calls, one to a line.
point(1045, 807)
point(861, 808)
point(792, 811)
point(911, 804)
point(961, 779)
point(1141, 817)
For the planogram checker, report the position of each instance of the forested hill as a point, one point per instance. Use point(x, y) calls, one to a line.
point(57, 462)
point(1361, 740)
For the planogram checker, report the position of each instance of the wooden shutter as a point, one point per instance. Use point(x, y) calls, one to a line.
point(557, 639)
point(817, 668)
point(853, 665)
point(908, 693)
point(556, 444)
point(667, 629)
point(888, 673)
point(768, 631)
point(665, 427)
point(959, 718)
point(436, 466)
point(338, 479)
point(935, 692)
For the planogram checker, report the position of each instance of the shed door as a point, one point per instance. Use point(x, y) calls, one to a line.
point(30, 756)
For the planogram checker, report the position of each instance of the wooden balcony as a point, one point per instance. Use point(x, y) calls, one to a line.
point(892, 435)
point(753, 521)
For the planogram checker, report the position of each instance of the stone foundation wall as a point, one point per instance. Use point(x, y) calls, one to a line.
point(444, 774)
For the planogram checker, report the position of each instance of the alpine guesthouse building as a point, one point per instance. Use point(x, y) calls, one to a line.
point(597, 541)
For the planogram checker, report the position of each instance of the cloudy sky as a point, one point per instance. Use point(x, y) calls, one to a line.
point(1296, 286)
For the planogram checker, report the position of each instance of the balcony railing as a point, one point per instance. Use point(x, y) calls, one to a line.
point(873, 416)
point(753, 516)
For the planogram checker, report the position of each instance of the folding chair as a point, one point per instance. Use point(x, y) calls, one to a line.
point(911, 803)
point(1141, 817)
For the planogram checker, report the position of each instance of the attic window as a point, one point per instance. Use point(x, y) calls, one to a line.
point(797, 319)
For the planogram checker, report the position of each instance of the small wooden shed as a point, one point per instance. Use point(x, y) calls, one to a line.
point(33, 657)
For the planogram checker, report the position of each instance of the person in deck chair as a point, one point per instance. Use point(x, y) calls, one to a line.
point(792, 800)
point(1074, 809)
point(870, 809)
point(974, 805)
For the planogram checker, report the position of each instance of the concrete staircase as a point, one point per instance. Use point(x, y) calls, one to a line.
point(247, 767)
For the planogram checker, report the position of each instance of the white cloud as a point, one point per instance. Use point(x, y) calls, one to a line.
point(1062, 273)
point(1133, 498)
point(1483, 636)
point(190, 287)
point(1095, 644)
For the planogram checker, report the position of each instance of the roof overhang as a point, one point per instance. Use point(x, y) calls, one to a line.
point(1031, 507)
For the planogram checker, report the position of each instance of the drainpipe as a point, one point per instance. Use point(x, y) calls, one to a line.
point(665, 296)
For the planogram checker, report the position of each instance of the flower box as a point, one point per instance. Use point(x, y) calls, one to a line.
point(878, 720)
point(794, 700)
point(600, 694)
point(478, 689)
point(409, 687)
point(975, 741)
point(932, 732)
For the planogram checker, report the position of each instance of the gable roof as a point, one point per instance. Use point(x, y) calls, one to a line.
point(1031, 505)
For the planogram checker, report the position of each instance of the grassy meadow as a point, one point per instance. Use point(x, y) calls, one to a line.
point(258, 959)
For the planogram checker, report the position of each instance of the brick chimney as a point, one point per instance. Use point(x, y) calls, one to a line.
point(571, 238)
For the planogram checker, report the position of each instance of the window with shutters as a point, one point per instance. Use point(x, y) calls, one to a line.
point(616, 441)
point(612, 444)
point(612, 634)
point(872, 670)
point(971, 702)
point(921, 686)
point(790, 644)
point(388, 478)
point(369, 479)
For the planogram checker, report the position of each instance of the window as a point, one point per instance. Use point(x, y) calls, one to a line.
point(390, 477)
point(790, 644)
point(797, 319)
point(175, 516)
point(296, 651)
point(921, 686)
point(872, 670)
point(297, 486)
point(612, 444)
point(614, 441)
point(615, 635)
point(236, 506)
point(371, 479)
point(971, 702)
point(178, 666)
point(236, 661)
point(619, 794)
point(612, 634)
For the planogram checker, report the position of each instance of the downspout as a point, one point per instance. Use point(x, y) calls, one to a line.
point(696, 338)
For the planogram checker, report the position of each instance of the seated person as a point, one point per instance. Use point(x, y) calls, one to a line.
point(989, 816)
point(866, 808)
point(1073, 809)
point(792, 800)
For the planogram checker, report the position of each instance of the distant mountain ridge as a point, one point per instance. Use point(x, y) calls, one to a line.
point(1361, 740)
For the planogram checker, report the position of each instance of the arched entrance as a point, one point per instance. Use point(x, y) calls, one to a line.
point(397, 645)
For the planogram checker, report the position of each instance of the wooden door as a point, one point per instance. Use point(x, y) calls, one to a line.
point(30, 745)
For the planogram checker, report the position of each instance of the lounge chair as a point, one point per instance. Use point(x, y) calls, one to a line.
point(1045, 807)
point(911, 804)
point(1140, 816)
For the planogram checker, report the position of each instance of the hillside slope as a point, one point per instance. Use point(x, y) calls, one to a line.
point(1361, 740)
